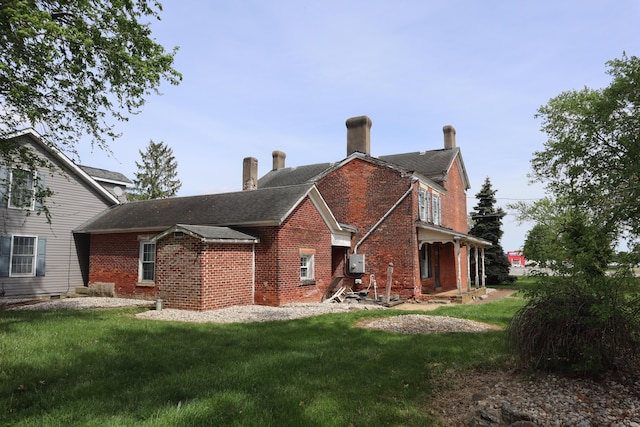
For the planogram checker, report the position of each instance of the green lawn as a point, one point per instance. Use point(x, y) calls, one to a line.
point(107, 368)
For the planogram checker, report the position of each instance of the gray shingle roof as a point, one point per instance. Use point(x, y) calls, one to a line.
point(210, 233)
point(432, 164)
point(269, 206)
point(103, 174)
point(292, 176)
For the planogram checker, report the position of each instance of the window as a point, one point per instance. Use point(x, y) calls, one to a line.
point(436, 209)
point(18, 188)
point(425, 261)
point(21, 189)
point(147, 261)
point(306, 267)
point(22, 256)
point(424, 198)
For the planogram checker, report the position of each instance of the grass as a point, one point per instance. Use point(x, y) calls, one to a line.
point(107, 368)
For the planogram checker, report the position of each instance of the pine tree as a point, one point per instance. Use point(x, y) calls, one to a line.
point(157, 175)
point(487, 223)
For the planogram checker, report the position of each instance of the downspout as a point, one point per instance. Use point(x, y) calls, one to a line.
point(253, 274)
point(385, 216)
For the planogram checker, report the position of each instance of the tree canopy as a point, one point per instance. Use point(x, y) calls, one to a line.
point(157, 176)
point(591, 158)
point(73, 68)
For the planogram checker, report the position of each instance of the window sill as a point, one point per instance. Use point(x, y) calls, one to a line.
point(307, 282)
point(146, 284)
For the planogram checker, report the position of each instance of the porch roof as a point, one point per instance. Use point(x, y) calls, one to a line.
point(209, 234)
point(429, 233)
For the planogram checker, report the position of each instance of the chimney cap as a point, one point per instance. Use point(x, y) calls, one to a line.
point(359, 121)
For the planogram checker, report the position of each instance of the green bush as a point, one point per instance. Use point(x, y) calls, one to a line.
point(580, 324)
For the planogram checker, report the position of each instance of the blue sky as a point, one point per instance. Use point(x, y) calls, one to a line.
point(260, 76)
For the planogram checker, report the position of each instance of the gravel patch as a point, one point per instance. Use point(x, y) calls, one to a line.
point(423, 324)
point(84, 303)
point(499, 398)
point(254, 313)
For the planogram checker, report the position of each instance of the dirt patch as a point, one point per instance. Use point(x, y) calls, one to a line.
point(491, 296)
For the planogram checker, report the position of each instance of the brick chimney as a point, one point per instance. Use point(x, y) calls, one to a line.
point(449, 136)
point(278, 159)
point(249, 173)
point(359, 135)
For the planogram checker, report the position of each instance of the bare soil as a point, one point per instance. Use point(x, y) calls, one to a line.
point(493, 295)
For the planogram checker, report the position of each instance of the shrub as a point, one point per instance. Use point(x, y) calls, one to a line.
point(578, 324)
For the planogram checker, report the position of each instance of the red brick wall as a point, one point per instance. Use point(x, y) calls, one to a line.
point(113, 258)
point(193, 275)
point(278, 258)
point(454, 215)
point(360, 193)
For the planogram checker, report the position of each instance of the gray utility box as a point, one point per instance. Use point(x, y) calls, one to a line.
point(356, 264)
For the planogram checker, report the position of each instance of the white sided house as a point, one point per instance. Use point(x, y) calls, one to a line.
point(38, 257)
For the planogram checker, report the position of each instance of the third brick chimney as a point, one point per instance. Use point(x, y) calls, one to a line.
point(278, 159)
point(359, 135)
point(449, 136)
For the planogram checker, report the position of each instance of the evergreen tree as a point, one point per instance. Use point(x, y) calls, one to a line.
point(487, 223)
point(157, 175)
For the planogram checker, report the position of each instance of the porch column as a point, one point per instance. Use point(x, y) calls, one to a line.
point(477, 267)
point(468, 268)
point(456, 242)
point(483, 278)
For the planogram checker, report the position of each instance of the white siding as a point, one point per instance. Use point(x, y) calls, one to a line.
point(73, 203)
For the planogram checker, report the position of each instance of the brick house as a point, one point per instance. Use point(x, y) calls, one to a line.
point(409, 211)
point(266, 246)
point(298, 234)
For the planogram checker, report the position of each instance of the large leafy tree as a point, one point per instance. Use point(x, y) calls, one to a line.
point(583, 320)
point(487, 224)
point(74, 68)
point(591, 158)
point(157, 176)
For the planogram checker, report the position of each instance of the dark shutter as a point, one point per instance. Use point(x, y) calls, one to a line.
point(39, 187)
point(41, 258)
point(4, 186)
point(5, 255)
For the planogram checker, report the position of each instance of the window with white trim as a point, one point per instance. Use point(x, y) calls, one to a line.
point(436, 209)
point(23, 256)
point(147, 262)
point(306, 266)
point(424, 203)
point(22, 189)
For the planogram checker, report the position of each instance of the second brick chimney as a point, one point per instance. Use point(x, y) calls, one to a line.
point(249, 173)
point(359, 135)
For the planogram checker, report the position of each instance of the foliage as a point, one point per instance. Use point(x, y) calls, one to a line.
point(579, 324)
point(157, 175)
point(564, 238)
point(487, 224)
point(71, 68)
point(592, 155)
point(105, 367)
